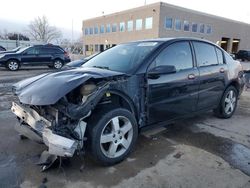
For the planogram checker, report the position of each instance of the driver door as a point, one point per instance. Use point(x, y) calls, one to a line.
point(30, 56)
point(173, 95)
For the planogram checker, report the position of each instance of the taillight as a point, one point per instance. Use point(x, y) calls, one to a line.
point(66, 54)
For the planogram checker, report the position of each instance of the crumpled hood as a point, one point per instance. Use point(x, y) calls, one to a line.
point(47, 89)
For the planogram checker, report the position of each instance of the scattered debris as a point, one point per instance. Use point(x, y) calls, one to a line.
point(178, 155)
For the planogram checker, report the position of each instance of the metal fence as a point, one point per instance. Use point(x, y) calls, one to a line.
point(11, 44)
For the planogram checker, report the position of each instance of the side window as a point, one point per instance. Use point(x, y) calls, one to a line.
point(205, 54)
point(44, 51)
point(178, 54)
point(219, 56)
point(32, 51)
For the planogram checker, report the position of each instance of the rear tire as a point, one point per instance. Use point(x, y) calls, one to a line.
point(58, 64)
point(113, 134)
point(227, 104)
point(13, 65)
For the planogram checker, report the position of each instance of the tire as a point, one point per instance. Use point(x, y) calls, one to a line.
point(58, 64)
point(228, 103)
point(111, 141)
point(13, 65)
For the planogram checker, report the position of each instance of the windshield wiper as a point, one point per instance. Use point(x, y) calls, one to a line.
point(101, 67)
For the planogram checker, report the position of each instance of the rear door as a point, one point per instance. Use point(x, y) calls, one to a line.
point(173, 95)
point(45, 55)
point(212, 70)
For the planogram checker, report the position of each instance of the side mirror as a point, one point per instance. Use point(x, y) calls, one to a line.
point(163, 69)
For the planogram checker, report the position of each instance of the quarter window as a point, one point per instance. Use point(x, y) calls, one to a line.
point(178, 24)
point(138, 24)
point(177, 54)
point(219, 56)
point(186, 25)
point(149, 23)
point(130, 25)
point(205, 54)
point(122, 26)
point(169, 23)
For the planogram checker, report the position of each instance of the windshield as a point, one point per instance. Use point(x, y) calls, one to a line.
point(122, 58)
point(22, 49)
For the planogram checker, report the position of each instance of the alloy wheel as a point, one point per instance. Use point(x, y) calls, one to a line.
point(116, 137)
point(230, 102)
point(13, 65)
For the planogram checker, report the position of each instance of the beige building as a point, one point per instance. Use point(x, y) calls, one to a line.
point(161, 20)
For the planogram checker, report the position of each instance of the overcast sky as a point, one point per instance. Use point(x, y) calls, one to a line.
point(61, 12)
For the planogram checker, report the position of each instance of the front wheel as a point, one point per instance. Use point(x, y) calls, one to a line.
point(228, 103)
point(13, 65)
point(113, 134)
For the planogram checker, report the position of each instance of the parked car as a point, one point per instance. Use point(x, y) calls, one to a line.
point(243, 55)
point(2, 49)
point(78, 63)
point(104, 104)
point(11, 51)
point(50, 55)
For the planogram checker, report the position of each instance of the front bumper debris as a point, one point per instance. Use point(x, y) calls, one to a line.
point(37, 128)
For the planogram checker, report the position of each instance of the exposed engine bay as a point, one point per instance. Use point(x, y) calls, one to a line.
point(61, 126)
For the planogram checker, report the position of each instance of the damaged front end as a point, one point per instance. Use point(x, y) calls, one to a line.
point(60, 125)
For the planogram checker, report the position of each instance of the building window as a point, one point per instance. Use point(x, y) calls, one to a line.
point(102, 29)
point(138, 24)
point(149, 23)
point(177, 24)
point(108, 28)
point(96, 48)
point(202, 28)
point(130, 25)
point(96, 30)
point(122, 26)
point(91, 31)
point(86, 31)
point(186, 25)
point(209, 29)
point(113, 27)
point(169, 23)
point(86, 47)
point(194, 27)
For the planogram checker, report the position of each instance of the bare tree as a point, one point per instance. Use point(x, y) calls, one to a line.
point(40, 30)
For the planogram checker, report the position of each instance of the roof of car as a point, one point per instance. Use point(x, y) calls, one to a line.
point(176, 38)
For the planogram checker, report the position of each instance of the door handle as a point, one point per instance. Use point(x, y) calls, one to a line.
point(222, 70)
point(191, 76)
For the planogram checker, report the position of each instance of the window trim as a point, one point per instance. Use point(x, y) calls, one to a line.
point(196, 62)
point(132, 29)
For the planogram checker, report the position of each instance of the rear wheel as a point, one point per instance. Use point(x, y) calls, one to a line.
point(58, 64)
point(228, 103)
point(112, 135)
point(13, 65)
